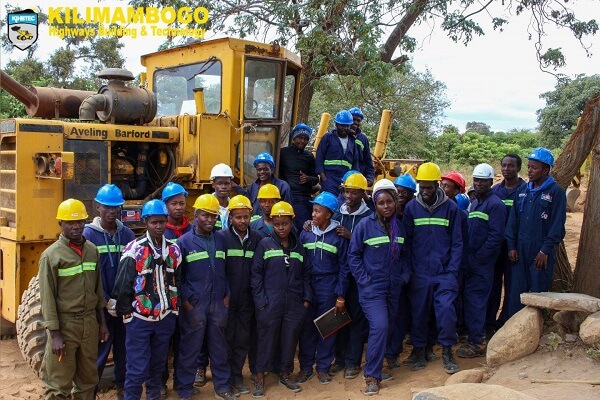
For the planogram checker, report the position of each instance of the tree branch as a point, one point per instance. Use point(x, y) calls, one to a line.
point(416, 9)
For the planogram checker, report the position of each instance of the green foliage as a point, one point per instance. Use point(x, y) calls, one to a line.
point(478, 127)
point(564, 105)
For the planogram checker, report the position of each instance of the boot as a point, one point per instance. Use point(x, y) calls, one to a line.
point(448, 361)
point(412, 357)
point(420, 359)
point(430, 355)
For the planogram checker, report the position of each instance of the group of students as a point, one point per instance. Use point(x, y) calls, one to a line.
point(246, 278)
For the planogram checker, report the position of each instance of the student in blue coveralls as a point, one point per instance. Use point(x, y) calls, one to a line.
point(337, 154)
point(204, 301)
point(378, 260)
point(267, 196)
point(535, 226)
point(146, 291)
point(221, 176)
point(507, 191)
point(264, 163)
point(327, 253)
point(362, 141)
point(110, 237)
point(240, 242)
point(351, 339)
point(434, 233)
point(487, 218)
point(282, 295)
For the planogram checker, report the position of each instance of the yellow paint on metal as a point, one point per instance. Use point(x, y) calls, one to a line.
point(383, 135)
point(122, 133)
point(325, 118)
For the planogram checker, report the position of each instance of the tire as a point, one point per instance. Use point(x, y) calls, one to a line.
point(31, 334)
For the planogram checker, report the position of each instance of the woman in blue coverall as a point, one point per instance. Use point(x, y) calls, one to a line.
point(377, 258)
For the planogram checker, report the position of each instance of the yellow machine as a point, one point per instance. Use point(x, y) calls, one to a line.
point(219, 101)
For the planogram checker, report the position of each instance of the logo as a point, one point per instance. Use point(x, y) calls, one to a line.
point(547, 197)
point(23, 28)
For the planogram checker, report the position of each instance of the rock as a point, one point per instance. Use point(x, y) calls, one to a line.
point(466, 376)
point(518, 338)
point(570, 338)
point(551, 339)
point(589, 332)
point(562, 301)
point(570, 320)
point(479, 391)
point(522, 375)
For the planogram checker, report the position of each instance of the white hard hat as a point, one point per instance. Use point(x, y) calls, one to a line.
point(221, 170)
point(483, 171)
point(383, 184)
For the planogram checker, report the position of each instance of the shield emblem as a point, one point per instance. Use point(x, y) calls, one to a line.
point(23, 28)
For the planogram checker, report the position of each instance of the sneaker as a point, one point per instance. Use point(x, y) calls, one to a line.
point(386, 377)
point(392, 363)
point(372, 386)
point(335, 369)
point(351, 372)
point(448, 361)
point(304, 376)
point(235, 391)
point(240, 388)
point(430, 356)
point(225, 396)
point(200, 379)
point(287, 381)
point(259, 388)
point(163, 392)
point(324, 378)
point(420, 359)
point(412, 357)
point(470, 350)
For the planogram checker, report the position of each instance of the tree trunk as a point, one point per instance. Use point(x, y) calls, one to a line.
point(307, 90)
point(587, 271)
point(568, 163)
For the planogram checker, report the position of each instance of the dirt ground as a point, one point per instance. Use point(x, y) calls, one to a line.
point(567, 362)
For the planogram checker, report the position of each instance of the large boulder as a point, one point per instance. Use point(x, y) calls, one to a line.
point(570, 320)
point(466, 376)
point(562, 301)
point(589, 332)
point(518, 338)
point(479, 391)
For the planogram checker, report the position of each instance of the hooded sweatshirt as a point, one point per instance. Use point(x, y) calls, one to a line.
point(349, 220)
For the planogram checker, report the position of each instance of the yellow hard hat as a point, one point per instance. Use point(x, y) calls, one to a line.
point(268, 191)
point(429, 172)
point(282, 208)
point(239, 202)
point(71, 210)
point(208, 203)
point(356, 181)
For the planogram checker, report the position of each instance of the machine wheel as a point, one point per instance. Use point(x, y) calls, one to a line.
point(31, 334)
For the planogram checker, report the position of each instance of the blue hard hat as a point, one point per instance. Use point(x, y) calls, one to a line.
point(347, 174)
point(355, 111)
point(109, 195)
point(301, 129)
point(172, 189)
point(154, 207)
point(542, 154)
point(463, 201)
point(326, 200)
point(343, 118)
point(406, 181)
point(264, 157)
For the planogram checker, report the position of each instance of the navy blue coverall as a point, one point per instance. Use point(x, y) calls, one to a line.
point(280, 284)
point(252, 192)
point(436, 247)
point(487, 219)
point(327, 253)
point(365, 164)
point(536, 224)
point(380, 279)
point(334, 161)
point(204, 285)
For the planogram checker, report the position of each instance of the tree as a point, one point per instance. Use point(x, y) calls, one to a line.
point(478, 127)
point(564, 106)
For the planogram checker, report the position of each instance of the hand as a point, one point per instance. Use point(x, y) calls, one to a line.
point(541, 261)
point(306, 304)
point(343, 232)
point(513, 256)
point(104, 334)
point(303, 178)
point(57, 343)
point(111, 307)
point(307, 226)
point(226, 301)
point(187, 306)
point(340, 306)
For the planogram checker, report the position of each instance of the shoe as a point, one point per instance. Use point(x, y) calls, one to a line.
point(351, 372)
point(335, 369)
point(412, 357)
point(163, 392)
point(195, 391)
point(240, 388)
point(448, 361)
point(430, 356)
point(470, 350)
point(225, 396)
point(324, 378)
point(200, 379)
point(287, 381)
point(259, 388)
point(386, 377)
point(304, 376)
point(235, 391)
point(420, 359)
point(372, 386)
point(392, 363)
point(120, 393)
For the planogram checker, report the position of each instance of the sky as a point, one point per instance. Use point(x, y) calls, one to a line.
point(496, 79)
